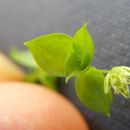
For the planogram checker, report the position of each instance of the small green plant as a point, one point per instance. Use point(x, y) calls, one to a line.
point(62, 55)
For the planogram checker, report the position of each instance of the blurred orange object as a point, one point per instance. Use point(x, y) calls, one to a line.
point(27, 106)
point(8, 70)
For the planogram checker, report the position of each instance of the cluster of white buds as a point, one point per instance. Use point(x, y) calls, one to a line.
point(118, 78)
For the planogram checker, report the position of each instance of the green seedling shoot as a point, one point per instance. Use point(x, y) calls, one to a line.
point(67, 56)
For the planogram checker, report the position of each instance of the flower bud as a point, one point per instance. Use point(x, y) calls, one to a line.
point(118, 78)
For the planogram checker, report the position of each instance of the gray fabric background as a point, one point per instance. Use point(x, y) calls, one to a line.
point(109, 24)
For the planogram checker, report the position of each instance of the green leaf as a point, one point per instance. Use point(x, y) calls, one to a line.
point(61, 55)
point(51, 51)
point(23, 57)
point(72, 65)
point(83, 51)
point(83, 46)
point(90, 91)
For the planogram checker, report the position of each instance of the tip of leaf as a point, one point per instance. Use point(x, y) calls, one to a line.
point(85, 24)
point(26, 44)
point(67, 79)
point(108, 115)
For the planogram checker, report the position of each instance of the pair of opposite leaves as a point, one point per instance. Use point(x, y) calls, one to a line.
point(65, 56)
